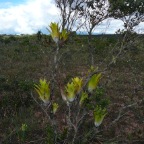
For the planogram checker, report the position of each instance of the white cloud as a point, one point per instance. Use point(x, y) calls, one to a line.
point(109, 26)
point(34, 15)
point(27, 17)
point(140, 28)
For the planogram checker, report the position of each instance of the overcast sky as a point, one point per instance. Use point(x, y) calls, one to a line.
point(29, 16)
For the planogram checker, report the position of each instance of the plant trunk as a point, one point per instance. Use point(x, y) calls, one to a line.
point(91, 50)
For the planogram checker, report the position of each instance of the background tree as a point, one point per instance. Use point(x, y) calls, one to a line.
point(131, 12)
point(69, 14)
point(94, 12)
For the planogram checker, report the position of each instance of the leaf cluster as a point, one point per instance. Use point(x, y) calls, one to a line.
point(121, 8)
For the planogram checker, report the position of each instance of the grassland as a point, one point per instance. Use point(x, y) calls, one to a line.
point(25, 59)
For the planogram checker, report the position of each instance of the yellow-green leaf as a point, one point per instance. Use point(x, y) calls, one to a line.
point(54, 31)
point(84, 96)
point(99, 115)
point(55, 107)
point(77, 83)
point(70, 92)
point(93, 82)
point(43, 90)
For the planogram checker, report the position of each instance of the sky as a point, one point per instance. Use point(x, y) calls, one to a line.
point(29, 16)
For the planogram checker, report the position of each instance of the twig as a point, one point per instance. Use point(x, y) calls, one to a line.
point(8, 136)
point(37, 140)
point(122, 109)
point(106, 68)
point(119, 115)
point(41, 107)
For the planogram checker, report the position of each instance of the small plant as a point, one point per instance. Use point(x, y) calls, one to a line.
point(99, 115)
point(93, 82)
point(39, 35)
point(77, 98)
point(22, 132)
point(77, 93)
point(83, 98)
point(71, 89)
point(55, 107)
point(43, 89)
point(64, 35)
point(56, 34)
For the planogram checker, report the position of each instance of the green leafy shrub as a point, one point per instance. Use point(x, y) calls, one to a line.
point(79, 102)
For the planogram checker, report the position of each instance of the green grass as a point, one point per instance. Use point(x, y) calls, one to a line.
point(24, 59)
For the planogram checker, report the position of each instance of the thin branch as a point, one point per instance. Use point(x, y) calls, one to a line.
point(42, 107)
point(122, 109)
point(8, 135)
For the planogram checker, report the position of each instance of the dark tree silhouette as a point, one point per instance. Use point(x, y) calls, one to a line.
point(94, 12)
point(131, 12)
point(69, 13)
